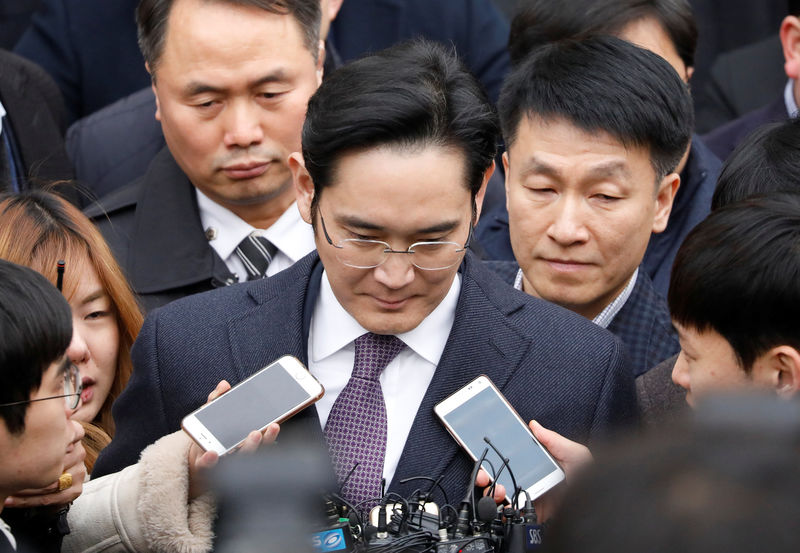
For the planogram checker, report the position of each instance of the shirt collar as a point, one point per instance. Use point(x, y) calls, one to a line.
point(788, 98)
point(607, 315)
point(427, 340)
point(225, 230)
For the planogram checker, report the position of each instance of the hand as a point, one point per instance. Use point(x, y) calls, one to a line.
point(200, 461)
point(483, 481)
point(50, 495)
point(572, 457)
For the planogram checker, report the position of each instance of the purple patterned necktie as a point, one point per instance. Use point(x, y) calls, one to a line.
point(356, 427)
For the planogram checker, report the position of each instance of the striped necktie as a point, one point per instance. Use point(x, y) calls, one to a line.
point(256, 253)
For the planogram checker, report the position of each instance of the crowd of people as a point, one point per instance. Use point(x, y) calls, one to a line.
point(318, 178)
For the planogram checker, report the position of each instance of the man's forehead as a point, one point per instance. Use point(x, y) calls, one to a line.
point(197, 29)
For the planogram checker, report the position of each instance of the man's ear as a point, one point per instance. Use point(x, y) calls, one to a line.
point(790, 41)
point(506, 172)
point(482, 192)
point(780, 369)
point(664, 196)
point(333, 8)
point(303, 185)
point(155, 91)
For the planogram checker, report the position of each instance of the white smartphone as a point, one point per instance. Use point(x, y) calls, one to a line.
point(273, 394)
point(478, 411)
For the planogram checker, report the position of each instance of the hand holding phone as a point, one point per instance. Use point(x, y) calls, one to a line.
point(201, 461)
point(271, 395)
point(479, 417)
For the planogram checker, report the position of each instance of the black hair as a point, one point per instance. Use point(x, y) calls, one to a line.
point(794, 7)
point(36, 328)
point(543, 21)
point(766, 162)
point(603, 84)
point(738, 273)
point(152, 17)
point(415, 93)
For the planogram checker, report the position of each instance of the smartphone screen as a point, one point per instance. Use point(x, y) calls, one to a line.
point(268, 395)
point(479, 411)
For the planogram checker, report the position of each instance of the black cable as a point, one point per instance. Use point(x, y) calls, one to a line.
point(436, 483)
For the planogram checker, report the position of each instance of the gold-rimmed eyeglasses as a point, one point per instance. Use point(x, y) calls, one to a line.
point(367, 254)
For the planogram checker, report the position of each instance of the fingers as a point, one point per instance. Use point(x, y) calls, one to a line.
point(207, 460)
point(499, 494)
point(483, 479)
point(221, 388)
point(256, 438)
point(50, 495)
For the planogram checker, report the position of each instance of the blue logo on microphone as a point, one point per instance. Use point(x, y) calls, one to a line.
point(332, 540)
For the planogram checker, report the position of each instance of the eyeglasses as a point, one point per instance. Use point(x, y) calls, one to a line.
point(73, 386)
point(368, 254)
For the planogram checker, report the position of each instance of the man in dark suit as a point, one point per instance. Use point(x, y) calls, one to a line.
point(115, 145)
point(32, 136)
point(587, 182)
point(666, 28)
point(216, 205)
point(391, 180)
point(724, 139)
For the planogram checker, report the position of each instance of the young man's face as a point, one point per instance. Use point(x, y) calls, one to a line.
point(398, 196)
point(232, 87)
point(708, 364)
point(34, 458)
point(581, 210)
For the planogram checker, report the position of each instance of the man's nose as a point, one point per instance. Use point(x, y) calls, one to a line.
point(396, 272)
point(243, 125)
point(680, 373)
point(568, 225)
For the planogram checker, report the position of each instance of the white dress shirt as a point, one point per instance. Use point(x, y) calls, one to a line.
point(404, 381)
point(788, 98)
point(293, 237)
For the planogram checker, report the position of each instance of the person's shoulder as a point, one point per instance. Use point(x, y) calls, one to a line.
point(507, 270)
point(723, 140)
point(550, 324)
point(238, 299)
point(115, 203)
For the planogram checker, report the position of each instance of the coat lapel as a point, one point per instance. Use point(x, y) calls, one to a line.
point(481, 342)
point(276, 326)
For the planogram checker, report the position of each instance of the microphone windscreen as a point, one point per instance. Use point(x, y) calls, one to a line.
point(487, 509)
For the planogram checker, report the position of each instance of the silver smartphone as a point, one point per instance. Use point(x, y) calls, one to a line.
point(273, 394)
point(478, 411)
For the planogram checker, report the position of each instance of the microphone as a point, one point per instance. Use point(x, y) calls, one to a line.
point(505, 465)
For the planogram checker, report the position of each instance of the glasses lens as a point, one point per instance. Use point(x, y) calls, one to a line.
point(430, 256)
point(72, 387)
point(362, 254)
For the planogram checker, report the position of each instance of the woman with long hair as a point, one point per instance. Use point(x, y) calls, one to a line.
point(39, 229)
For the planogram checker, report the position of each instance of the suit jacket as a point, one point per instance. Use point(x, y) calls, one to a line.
point(570, 375)
point(153, 228)
point(89, 47)
point(723, 141)
point(741, 81)
point(660, 400)
point(35, 112)
point(477, 29)
point(643, 324)
point(691, 205)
